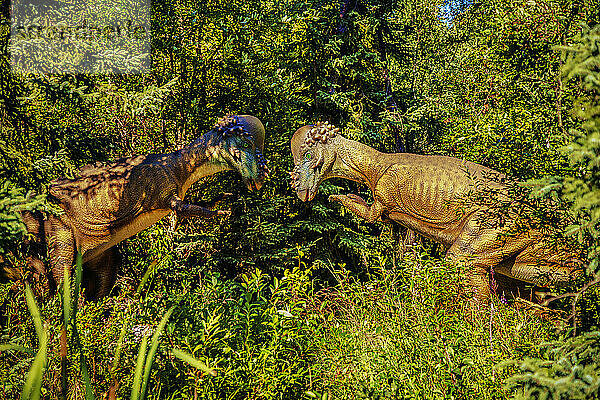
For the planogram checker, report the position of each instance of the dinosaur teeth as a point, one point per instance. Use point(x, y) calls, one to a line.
point(235, 153)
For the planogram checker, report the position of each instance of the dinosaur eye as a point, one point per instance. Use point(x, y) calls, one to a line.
point(307, 156)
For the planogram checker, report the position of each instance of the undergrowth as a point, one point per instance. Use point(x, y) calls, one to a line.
point(409, 334)
point(406, 332)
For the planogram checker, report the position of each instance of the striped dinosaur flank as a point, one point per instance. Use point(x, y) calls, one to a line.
point(435, 197)
point(108, 203)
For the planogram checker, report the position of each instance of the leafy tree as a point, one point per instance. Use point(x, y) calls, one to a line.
point(583, 187)
point(508, 107)
point(570, 369)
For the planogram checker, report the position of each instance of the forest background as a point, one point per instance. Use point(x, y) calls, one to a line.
point(285, 299)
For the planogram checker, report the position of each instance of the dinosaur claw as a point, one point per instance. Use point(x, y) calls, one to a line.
point(357, 199)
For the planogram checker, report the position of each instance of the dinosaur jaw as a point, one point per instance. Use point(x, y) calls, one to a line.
point(304, 190)
point(306, 194)
point(253, 184)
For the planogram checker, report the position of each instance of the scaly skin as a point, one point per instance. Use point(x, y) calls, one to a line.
point(109, 203)
point(430, 195)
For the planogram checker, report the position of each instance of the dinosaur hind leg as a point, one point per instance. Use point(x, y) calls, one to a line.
point(100, 274)
point(479, 251)
point(475, 274)
point(474, 257)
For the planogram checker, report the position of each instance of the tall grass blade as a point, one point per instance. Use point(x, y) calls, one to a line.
point(66, 296)
point(78, 275)
point(149, 270)
point(193, 361)
point(66, 302)
point(139, 365)
point(34, 311)
point(152, 351)
point(89, 391)
point(119, 347)
point(33, 382)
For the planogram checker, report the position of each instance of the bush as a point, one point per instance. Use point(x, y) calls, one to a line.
point(408, 333)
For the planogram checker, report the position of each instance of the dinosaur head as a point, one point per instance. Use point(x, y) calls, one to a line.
point(242, 139)
point(314, 157)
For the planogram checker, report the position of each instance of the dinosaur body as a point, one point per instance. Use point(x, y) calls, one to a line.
point(431, 195)
point(107, 203)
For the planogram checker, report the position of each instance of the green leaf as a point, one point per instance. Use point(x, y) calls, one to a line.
point(194, 362)
point(15, 347)
point(32, 387)
point(139, 366)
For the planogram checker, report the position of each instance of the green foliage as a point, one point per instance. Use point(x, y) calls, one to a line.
point(583, 188)
point(144, 361)
point(256, 342)
point(70, 300)
point(406, 333)
point(506, 104)
point(13, 201)
point(568, 369)
point(12, 229)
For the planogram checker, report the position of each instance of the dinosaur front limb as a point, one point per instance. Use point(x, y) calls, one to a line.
point(216, 201)
point(61, 248)
point(186, 210)
point(360, 207)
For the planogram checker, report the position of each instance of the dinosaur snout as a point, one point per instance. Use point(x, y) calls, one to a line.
point(263, 173)
point(304, 194)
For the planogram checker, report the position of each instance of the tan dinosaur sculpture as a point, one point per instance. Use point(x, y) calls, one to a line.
point(109, 203)
point(430, 195)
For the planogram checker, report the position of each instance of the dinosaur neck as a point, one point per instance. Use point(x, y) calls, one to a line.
point(197, 160)
point(358, 162)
